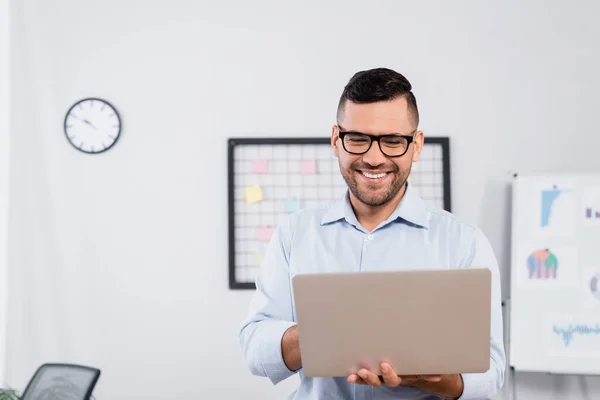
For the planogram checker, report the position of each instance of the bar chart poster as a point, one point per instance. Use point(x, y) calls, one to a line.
point(591, 206)
point(553, 210)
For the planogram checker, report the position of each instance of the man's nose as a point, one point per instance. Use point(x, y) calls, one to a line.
point(374, 156)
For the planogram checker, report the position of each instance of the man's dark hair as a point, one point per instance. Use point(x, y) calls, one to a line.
point(379, 84)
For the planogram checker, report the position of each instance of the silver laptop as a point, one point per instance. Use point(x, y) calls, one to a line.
point(421, 322)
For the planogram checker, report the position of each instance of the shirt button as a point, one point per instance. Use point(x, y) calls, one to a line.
point(370, 237)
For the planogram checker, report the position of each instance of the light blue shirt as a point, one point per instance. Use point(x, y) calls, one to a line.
point(330, 239)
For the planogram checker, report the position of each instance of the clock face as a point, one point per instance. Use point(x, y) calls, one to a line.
point(92, 125)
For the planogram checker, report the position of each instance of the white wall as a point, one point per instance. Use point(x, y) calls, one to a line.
point(127, 252)
point(4, 141)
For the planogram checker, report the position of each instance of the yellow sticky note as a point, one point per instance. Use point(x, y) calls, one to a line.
point(259, 258)
point(253, 194)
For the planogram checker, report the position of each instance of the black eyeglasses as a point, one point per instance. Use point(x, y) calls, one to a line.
point(393, 145)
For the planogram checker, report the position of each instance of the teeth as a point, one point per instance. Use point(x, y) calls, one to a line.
point(373, 176)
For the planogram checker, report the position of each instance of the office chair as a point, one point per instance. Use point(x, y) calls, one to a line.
point(62, 382)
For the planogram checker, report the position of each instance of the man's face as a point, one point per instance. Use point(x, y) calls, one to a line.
point(374, 178)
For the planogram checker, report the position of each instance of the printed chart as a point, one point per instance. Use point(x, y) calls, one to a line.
point(573, 335)
point(557, 211)
point(270, 178)
point(591, 207)
point(549, 267)
point(595, 286)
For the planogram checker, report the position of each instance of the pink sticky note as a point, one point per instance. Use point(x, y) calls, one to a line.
point(264, 233)
point(308, 167)
point(260, 166)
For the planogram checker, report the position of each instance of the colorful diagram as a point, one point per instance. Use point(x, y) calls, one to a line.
point(548, 199)
point(567, 333)
point(595, 286)
point(591, 213)
point(542, 264)
point(591, 206)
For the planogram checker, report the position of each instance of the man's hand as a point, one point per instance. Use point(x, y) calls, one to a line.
point(446, 386)
point(389, 377)
point(290, 349)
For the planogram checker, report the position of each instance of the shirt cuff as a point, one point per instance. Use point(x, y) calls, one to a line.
point(271, 356)
point(475, 386)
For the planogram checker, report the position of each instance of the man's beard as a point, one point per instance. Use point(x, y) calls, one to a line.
point(367, 195)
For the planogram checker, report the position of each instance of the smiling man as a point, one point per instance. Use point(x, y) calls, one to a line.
point(376, 140)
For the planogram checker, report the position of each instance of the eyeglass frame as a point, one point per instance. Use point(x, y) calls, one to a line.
point(409, 138)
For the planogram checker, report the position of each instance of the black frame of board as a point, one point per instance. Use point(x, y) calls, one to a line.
point(232, 142)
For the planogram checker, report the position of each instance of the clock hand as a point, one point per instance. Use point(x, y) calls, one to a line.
point(89, 123)
point(84, 121)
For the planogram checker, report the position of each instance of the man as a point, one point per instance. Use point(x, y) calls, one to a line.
point(379, 224)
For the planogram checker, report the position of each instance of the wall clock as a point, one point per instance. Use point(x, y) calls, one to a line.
point(92, 125)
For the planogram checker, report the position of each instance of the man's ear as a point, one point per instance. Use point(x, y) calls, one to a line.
point(334, 141)
point(418, 145)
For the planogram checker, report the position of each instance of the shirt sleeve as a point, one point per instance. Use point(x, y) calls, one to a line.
point(479, 254)
point(270, 313)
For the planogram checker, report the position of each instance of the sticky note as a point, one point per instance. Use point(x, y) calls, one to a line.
point(258, 258)
point(253, 194)
point(308, 167)
point(292, 204)
point(260, 166)
point(264, 233)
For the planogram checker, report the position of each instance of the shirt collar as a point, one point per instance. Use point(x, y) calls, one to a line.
point(411, 209)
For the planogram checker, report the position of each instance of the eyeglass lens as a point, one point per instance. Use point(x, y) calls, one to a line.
point(391, 145)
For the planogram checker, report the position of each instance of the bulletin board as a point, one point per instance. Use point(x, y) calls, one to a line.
point(269, 178)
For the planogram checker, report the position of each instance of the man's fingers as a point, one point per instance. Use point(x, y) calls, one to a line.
point(354, 378)
point(389, 375)
point(369, 377)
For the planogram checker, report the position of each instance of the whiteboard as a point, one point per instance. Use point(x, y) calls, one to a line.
point(555, 274)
